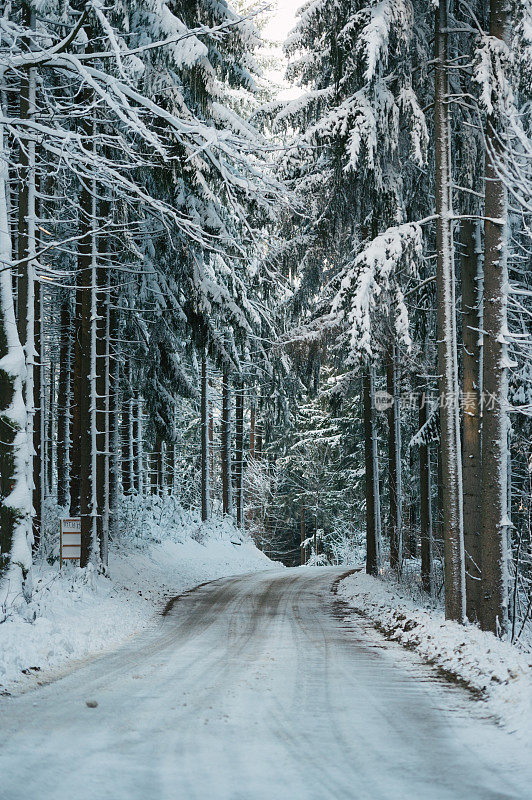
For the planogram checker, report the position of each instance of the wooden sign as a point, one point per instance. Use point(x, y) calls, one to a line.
point(70, 539)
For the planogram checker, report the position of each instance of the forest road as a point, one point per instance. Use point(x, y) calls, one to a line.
point(256, 687)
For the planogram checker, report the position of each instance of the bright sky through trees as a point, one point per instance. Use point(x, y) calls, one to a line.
point(282, 19)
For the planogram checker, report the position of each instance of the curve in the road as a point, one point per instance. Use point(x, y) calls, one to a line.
point(254, 688)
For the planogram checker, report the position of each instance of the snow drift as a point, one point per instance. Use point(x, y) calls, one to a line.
point(496, 671)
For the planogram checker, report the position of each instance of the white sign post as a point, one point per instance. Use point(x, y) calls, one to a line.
point(70, 540)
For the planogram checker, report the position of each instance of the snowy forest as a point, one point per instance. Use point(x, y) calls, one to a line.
point(311, 313)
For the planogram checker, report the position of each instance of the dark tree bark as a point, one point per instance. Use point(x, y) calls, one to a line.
point(372, 479)
point(86, 255)
point(205, 443)
point(494, 445)
point(125, 431)
point(135, 436)
point(303, 537)
point(252, 430)
point(159, 450)
point(227, 499)
point(471, 327)
point(102, 408)
point(395, 523)
point(51, 432)
point(212, 474)
point(425, 509)
point(258, 440)
point(63, 405)
point(27, 297)
point(170, 467)
point(75, 406)
point(239, 453)
point(38, 424)
point(114, 420)
point(446, 323)
point(139, 461)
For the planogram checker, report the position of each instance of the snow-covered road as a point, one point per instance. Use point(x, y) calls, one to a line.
point(255, 688)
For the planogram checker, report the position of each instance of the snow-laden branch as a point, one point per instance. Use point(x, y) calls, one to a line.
point(373, 275)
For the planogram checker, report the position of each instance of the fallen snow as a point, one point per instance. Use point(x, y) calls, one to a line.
point(496, 671)
point(77, 613)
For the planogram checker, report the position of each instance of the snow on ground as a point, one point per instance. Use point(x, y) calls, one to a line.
point(496, 671)
point(162, 552)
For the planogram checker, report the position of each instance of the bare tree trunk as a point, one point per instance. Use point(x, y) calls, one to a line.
point(63, 405)
point(205, 443)
point(87, 264)
point(160, 465)
point(252, 430)
point(102, 409)
point(26, 282)
point(170, 466)
point(471, 327)
point(303, 537)
point(494, 444)
point(125, 429)
point(258, 441)
point(372, 479)
point(51, 432)
point(447, 347)
point(139, 464)
point(227, 499)
point(114, 421)
point(75, 406)
point(425, 509)
point(154, 469)
point(394, 462)
point(212, 473)
point(239, 453)
point(133, 444)
point(38, 422)
point(15, 496)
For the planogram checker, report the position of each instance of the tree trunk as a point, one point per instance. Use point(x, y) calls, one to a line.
point(239, 453)
point(303, 537)
point(38, 422)
point(258, 441)
point(372, 479)
point(125, 429)
point(63, 405)
point(75, 405)
point(205, 443)
point(15, 495)
point(133, 444)
point(227, 499)
point(102, 407)
point(394, 462)
point(212, 474)
point(425, 509)
point(252, 431)
point(26, 282)
point(51, 433)
point(471, 327)
point(446, 324)
point(154, 469)
point(87, 265)
point(114, 420)
point(494, 445)
point(160, 465)
point(139, 464)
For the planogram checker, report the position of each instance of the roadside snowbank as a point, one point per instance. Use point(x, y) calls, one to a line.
point(162, 552)
point(497, 672)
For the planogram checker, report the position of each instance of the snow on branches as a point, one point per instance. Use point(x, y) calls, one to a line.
point(372, 277)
